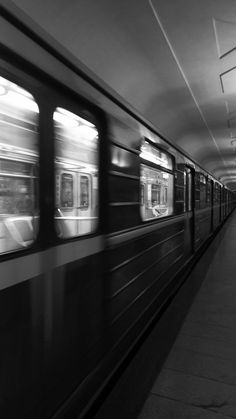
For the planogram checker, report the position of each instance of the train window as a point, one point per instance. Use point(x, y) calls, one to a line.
point(202, 191)
point(76, 177)
point(19, 159)
point(157, 193)
point(156, 183)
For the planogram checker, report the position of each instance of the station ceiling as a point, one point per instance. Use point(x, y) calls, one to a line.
point(172, 60)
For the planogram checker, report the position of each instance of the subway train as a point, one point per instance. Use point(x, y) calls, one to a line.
point(100, 219)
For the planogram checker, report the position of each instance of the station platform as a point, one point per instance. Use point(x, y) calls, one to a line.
point(187, 367)
point(198, 379)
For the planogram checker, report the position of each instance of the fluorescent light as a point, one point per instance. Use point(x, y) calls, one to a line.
point(87, 132)
point(71, 116)
point(85, 122)
point(146, 155)
point(16, 100)
point(65, 120)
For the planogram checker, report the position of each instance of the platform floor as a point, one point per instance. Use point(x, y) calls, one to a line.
point(198, 379)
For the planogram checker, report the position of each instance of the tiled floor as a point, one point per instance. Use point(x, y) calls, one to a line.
point(198, 379)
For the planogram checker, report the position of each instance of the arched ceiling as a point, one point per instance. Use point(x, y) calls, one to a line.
point(172, 60)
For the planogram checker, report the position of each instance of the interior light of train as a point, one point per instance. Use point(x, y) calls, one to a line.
point(87, 132)
point(70, 165)
point(20, 101)
point(65, 120)
point(72, 120)
point(150, 153)
point(146, 155)
point(17, 97)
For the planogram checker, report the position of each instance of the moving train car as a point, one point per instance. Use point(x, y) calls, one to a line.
point(99, 218)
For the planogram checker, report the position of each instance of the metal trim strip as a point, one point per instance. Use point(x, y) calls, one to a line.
point(23, 268)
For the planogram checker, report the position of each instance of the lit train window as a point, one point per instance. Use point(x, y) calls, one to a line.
point(76, 178)
point(156, 183)
point(157, 193)
point(19, 159)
